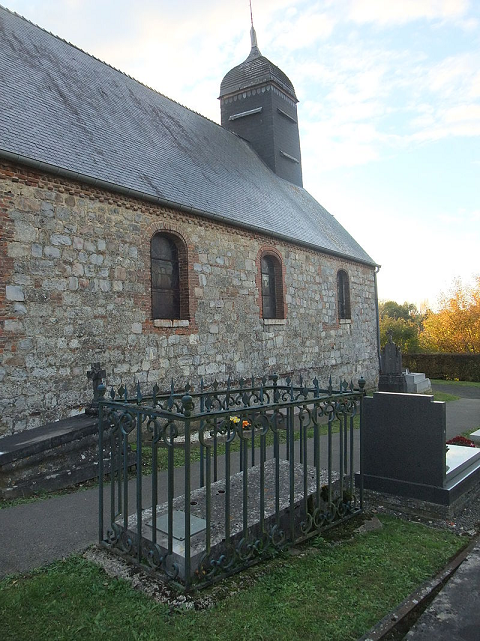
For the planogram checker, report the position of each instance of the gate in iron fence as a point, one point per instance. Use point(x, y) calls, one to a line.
point(234, 474)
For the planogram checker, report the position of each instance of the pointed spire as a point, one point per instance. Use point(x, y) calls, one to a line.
point(255, 51)
point(253, 37)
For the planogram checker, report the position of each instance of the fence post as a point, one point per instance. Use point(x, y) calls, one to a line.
point(361, 385)
point(101, 394)
point(187, 405)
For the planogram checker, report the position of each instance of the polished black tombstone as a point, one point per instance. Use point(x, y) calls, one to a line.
point(404, 451)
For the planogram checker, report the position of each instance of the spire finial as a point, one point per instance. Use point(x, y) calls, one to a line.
point(253, 35)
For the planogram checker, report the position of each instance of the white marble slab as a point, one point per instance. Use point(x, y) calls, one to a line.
point(460, 458)
point(475, 436)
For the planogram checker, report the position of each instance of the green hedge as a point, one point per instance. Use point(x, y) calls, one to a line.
point(460, 367)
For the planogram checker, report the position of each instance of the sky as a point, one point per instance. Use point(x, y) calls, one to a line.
point(389, 109)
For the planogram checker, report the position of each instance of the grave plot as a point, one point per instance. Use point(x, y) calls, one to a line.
point(249, 470)
point(246, 529)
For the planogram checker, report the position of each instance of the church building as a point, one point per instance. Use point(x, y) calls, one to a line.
point(141, 235)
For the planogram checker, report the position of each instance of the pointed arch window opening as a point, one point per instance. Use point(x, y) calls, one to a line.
point(343, 295)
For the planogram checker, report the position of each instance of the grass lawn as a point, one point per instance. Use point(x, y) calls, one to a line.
point(468, 432)
point(439, 381)
point(442, 396)
point(332, 591)
point(162, 454)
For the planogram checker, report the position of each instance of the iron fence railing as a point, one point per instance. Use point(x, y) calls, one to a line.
point(234, 473)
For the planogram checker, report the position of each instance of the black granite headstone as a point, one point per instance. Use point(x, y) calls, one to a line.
point(404, 444)
point(391, 377)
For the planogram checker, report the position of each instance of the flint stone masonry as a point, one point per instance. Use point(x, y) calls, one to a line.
point(80, 293)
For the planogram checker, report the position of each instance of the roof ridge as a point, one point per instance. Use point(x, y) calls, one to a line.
point(107, 64)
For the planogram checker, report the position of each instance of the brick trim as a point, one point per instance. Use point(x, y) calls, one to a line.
point(7, 339)
point(188, 278)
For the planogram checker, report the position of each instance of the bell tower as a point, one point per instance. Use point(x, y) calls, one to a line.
point(258, 103)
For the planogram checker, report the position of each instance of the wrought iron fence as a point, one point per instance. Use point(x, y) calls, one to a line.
point(235, 473)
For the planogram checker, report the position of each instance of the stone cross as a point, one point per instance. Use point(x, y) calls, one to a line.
point(96, 375)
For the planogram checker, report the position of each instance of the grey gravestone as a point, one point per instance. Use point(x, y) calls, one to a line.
point(391, 378)
point(404, 450)
point(417, 383)
point(404, 438)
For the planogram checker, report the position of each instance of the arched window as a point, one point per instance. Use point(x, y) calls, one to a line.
point(271, 287)
point(343, 295)
point(165, 277)
point(269, 299)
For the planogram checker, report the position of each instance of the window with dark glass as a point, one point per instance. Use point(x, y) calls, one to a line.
point(269, 300)
point(165, 278)
point(343, 295)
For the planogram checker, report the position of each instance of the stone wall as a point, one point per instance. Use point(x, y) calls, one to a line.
point(75, 289)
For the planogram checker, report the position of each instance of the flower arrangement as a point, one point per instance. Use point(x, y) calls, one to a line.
point(461, 440)
point(235, 420)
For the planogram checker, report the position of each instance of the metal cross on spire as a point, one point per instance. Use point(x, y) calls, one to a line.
point(253, 35)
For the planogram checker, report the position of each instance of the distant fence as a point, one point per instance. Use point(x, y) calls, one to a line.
point(236, 473)
point(462, 367)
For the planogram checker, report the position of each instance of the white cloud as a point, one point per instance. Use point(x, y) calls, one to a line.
point(302, 30)
point(386, 12)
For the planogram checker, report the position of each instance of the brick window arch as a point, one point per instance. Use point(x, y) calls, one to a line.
point(343, 295)
point(271, 286)
point(168, 266)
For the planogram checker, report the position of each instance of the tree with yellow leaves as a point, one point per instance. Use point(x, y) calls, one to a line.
point(401, 322)
point(455, 328)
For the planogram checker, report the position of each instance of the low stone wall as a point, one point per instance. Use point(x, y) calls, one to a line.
point(52, 457)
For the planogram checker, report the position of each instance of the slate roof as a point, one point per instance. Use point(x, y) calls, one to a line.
point(255, 70)
point(81, 117)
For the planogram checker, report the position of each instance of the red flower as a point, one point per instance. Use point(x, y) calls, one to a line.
point(461, 440)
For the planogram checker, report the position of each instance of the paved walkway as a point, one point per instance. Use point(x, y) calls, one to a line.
point(465, 391)
point(35, 534)
point(454, 614)
point(464, 414)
